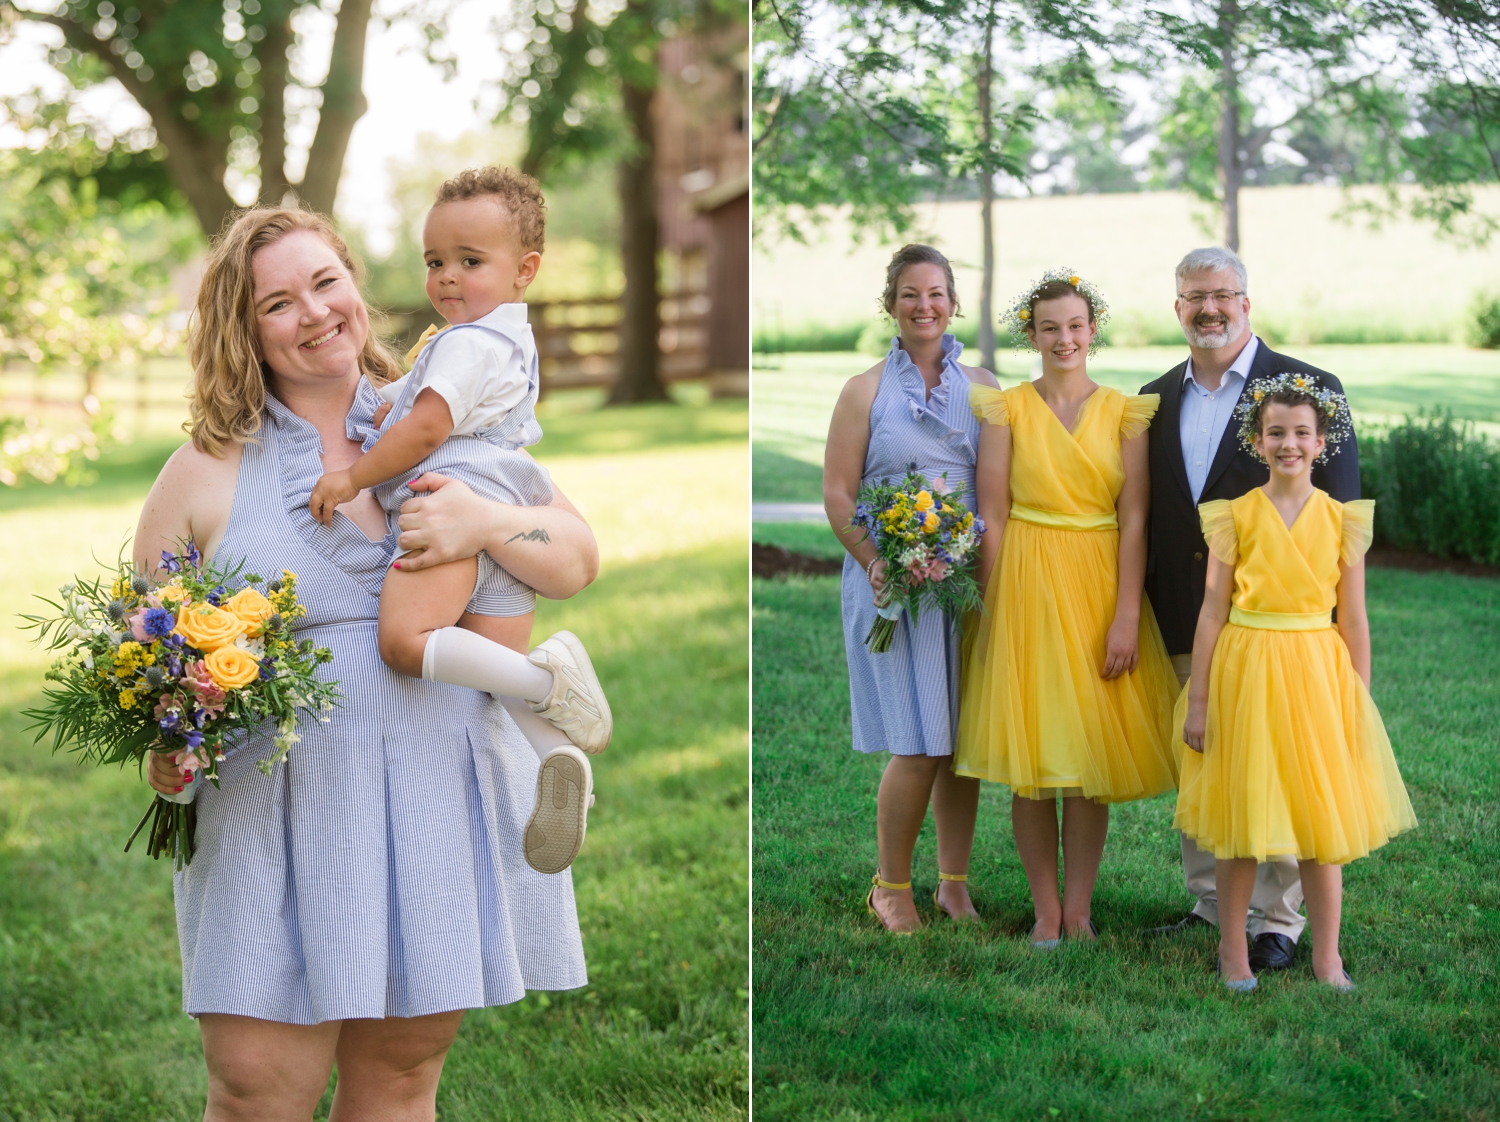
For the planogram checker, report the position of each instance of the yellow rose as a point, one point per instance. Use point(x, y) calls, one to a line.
point(231, 667)
point(171, 593)
point(931, 522)
point(208, 628)
point(924, 501)
point(251, 607)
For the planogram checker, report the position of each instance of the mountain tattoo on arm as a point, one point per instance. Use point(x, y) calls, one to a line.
point(537, 535)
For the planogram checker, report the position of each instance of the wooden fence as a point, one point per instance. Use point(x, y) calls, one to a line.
point(577, 340)
point(577, 343)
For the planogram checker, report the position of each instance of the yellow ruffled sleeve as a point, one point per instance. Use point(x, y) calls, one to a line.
point(989, 404)
point(1359, 530)
point(1139, 410)
point(1218, 530)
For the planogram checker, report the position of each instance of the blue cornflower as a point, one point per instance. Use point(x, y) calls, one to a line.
point(267, 669)
point(157, 622)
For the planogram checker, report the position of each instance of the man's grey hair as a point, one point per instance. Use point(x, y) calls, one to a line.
point(1211, 260)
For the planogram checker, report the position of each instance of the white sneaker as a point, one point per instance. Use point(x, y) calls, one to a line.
point(577, 705)
point(560, 818)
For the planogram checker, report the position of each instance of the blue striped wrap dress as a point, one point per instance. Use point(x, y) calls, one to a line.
point(489, 461)
point(377, 872)
point(905, 701)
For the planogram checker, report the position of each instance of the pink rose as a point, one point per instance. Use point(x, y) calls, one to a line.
point(138, 627)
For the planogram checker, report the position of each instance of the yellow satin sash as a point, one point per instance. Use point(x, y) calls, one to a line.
point(1059, 521)
point(1281, 621)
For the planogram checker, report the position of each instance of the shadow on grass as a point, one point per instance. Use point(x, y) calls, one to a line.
point(779, 478)
point(964, 1024)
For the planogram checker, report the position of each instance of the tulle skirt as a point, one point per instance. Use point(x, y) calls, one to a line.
point(1034, 712)
point(1296, 758)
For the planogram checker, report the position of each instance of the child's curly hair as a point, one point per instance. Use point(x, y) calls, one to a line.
point(519, 193)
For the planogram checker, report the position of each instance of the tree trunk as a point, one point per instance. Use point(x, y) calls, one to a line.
point(987, 200)
point(639, 378)
point(1230, 169)
point(343, 104)
point(273, 72)
point(195, 160)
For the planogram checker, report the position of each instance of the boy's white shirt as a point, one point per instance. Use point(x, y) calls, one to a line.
point(480, 375)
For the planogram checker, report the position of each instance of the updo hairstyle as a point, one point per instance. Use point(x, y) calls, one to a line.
point(915, 254)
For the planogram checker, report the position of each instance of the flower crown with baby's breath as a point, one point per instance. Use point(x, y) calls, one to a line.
point(1017, 318)
point(1333, 404)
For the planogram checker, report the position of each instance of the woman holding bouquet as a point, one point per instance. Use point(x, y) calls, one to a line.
point(348, 907)
point(911, 408)
point(1068, 691)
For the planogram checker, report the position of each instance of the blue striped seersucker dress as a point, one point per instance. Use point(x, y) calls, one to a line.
point(905, 701)
point(378, 872)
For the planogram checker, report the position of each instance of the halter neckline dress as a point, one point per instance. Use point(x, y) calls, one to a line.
point(379, 871)
point(905, 701)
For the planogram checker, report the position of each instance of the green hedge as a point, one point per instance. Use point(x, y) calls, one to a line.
point(1437, 485)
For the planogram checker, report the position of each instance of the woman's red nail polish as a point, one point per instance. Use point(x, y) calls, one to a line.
point(395, 564)
point(178, 789)
point(189, 779)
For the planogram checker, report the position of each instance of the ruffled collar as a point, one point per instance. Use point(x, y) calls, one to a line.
point(900, 363)
point(299, 451)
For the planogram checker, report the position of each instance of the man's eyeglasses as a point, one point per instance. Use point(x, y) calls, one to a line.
point(1198, 299)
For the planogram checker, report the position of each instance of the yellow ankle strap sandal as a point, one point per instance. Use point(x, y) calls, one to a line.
point(961, 878)
point(889, 886)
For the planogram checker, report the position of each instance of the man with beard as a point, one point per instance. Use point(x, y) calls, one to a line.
point(1196, 456)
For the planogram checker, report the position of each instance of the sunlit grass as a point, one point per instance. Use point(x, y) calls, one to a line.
point(90, 1019)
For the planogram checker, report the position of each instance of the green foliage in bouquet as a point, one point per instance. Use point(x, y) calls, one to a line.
point(930, 543)
point(176, 665)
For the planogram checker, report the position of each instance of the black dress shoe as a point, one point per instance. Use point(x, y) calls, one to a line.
point(1186, 923)
point(1271, 951)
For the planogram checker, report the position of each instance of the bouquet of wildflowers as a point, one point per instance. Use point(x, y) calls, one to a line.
point(176, 665)
point(930, 543)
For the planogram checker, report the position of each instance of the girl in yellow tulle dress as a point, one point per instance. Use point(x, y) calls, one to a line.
point(1289, 754)
point(1067, 688)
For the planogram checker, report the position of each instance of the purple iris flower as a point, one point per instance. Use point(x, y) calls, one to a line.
point(174, 666)
point(170, 563)
point(216, 597)
point(157, 622)
point(194, 738)
point(171, 722)
point(193, 556)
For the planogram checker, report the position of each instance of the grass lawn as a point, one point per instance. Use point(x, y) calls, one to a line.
point(795, 394)
point(965, 1023)
point(90, 1015)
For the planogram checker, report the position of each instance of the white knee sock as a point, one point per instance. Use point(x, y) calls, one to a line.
point(541, 734)
point(463, 658)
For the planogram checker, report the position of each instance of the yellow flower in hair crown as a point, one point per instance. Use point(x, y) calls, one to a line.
point(1017, 317)
point(1332, 403)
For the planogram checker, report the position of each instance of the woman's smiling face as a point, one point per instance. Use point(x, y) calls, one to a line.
point(1061, 330)
point(923, 306)
point(312, 321)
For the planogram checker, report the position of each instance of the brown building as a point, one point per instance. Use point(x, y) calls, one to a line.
point(703, 192)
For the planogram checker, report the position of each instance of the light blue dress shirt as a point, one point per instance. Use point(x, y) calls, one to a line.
point(1206, 414)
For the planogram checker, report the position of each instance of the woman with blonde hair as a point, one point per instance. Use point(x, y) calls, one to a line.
point(351, 905)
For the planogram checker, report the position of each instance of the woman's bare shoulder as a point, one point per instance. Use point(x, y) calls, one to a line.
point(861, 389)
point(980, 376)
point(192, 466)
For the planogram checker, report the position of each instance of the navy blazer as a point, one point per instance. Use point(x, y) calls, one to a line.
point(1177, 556)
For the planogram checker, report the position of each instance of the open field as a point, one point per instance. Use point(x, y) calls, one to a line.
point(794, 395)
point(90, 1020)
point(962, 1024)
point(1312, 276)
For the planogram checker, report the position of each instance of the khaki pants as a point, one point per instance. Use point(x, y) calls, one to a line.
point(1276, 902)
